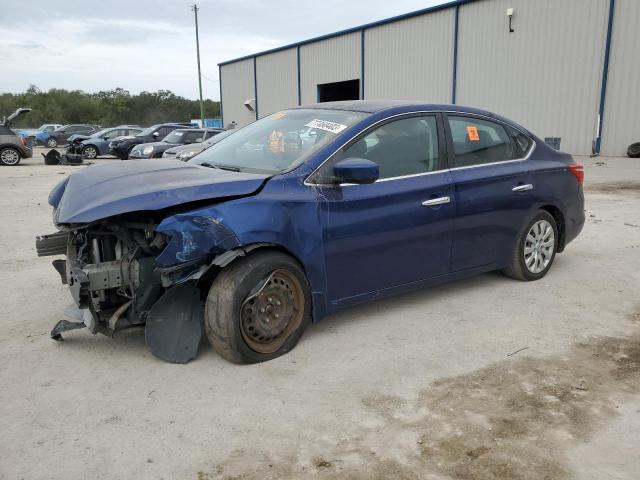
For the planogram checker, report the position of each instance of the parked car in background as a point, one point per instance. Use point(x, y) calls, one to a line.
point(261, 234)
point(180, 136)
point(40, 135)
point(97, 144)
point(61, 135)
point(187, 152)
point(123, 146)
point(13, 147)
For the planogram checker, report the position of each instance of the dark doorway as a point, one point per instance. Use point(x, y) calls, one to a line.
point(336, 91)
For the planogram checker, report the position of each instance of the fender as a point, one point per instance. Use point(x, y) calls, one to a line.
point(202, 237)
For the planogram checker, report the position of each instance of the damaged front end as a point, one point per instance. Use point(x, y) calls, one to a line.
point(130, 272)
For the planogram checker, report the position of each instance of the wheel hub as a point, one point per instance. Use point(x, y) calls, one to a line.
point(10, 157)
point(539, 246)
point(273, 312)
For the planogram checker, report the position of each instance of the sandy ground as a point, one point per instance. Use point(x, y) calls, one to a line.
point(429, 385)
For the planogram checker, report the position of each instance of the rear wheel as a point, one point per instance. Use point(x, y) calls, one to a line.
point(89, 152)
point(9, 156)
point(257, 308)
point(536, 249)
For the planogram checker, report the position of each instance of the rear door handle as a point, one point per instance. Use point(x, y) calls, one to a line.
point(523, 188)
point(436, 201)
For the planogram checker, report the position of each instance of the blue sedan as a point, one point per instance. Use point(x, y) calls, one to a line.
point(305, 212)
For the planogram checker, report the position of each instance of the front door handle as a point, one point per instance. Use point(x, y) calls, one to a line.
point(436, 201)
point(523, 188)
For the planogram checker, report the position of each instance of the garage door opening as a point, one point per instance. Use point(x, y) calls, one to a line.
point(336, 91)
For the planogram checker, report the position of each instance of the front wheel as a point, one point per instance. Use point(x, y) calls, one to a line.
point(536, 249)
point(89, 152)
point(9, 156)
point(52, 142)
point(258, 307)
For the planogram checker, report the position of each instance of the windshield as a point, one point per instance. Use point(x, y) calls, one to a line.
point(280, 141)
point(146, 131)
point(216, 138)
point(180, 137)
point(101, 133)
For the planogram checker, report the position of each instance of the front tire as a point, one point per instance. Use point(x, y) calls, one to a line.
point(89, 152)
point(258, 307)
point(9, 156)
point(536, 249)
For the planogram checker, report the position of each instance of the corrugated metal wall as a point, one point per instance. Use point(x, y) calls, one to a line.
point(332, 60)
point(411, 59)
point(237, 87)
point(622, 108)
point(546, 75)
point(277, 77)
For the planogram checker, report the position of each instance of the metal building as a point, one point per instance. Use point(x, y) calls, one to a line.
point(565, 69)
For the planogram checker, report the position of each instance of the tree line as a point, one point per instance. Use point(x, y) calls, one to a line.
point(105, 108)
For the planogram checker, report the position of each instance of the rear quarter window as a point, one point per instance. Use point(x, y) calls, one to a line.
point(6, 130)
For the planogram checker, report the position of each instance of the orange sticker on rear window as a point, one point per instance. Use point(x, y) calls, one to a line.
point(472, 134)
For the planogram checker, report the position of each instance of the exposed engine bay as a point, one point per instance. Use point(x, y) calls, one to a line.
point(114, 280)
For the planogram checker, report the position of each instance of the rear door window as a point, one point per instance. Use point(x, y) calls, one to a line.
point(477, 142)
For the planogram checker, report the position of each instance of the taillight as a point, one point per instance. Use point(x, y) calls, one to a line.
point(23, 141)
point(578, 171)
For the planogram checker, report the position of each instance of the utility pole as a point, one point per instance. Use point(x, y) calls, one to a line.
point(195, 9)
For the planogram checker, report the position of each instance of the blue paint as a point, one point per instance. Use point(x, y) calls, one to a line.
point(120, 187)
point(220, 86)
point(362, 64)
point(299, 86)
point(454, 73)
point(605, 75)
point(356, 243)
point(255, 85)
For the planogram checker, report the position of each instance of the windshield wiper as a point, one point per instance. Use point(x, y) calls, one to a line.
point(221, 167)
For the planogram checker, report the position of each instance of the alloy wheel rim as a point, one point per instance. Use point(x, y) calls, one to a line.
point(10, 157)
point(269, 316)
point(90, 152)
point(539, 246)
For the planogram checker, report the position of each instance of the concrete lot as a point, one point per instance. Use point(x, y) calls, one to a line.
point(429, 385)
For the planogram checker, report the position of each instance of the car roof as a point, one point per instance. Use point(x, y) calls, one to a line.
point(374, 106)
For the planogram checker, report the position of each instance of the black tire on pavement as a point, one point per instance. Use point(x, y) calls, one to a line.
point(535, 244)
point(258, 307)
point(634, 150)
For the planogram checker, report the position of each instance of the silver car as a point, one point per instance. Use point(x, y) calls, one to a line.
point(186, 152)
point(13, 147)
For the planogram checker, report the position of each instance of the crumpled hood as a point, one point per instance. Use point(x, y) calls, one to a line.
point(102, 191)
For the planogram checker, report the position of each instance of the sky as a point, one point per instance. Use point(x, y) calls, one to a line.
point(140, 45)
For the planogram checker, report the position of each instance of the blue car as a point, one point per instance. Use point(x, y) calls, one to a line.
point(97, 144)
point(303, 213)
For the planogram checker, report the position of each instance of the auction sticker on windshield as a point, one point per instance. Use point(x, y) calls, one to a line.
point(327, 126)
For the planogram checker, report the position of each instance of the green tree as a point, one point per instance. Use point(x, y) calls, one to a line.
point(105, 108)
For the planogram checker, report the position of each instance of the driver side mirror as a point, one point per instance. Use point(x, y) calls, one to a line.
point(356, 170)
